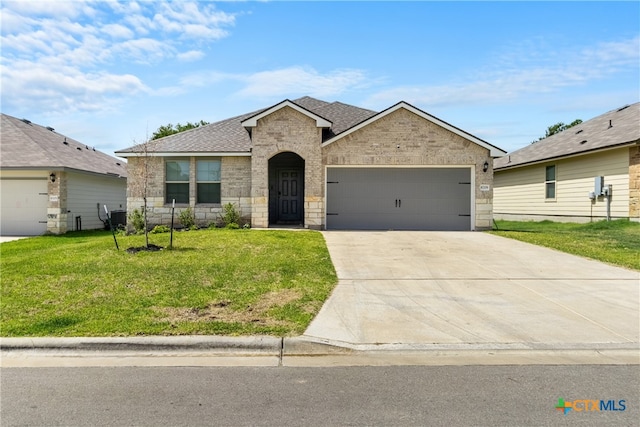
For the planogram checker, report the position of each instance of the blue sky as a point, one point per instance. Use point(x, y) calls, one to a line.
point(109, 73)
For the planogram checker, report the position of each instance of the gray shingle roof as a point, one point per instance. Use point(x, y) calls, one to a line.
point(26, 145)
point(229, 136)
point(617, 127)
point(343, 116)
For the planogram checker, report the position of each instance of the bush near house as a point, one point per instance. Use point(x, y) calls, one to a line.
point(214, 281)
point(614, 242)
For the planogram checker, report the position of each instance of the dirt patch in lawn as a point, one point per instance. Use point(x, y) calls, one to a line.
point(221, 311)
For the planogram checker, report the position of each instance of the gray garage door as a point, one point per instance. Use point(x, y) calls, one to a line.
point(398, 198)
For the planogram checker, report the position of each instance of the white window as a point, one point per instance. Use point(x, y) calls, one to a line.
point(550, 182)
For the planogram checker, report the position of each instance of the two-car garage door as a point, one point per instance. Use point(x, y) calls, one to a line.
point(398, 198)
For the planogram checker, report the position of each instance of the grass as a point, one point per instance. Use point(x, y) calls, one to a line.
point(229, 282)
point(614, 242)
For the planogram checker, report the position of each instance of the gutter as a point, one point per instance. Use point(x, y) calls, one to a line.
point(566, 156)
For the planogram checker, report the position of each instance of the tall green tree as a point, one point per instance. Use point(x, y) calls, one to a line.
point(170, 129)
point(557, 128)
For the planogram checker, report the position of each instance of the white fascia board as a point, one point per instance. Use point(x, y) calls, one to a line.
point(184, 154)
point(562, 157)
point(253, 121)
point(494, 151)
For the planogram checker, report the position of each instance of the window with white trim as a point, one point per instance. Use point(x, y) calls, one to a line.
point(208, 181)
point(177, 181)
point(550, 182)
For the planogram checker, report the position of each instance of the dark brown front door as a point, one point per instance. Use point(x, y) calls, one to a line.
point(290, 196)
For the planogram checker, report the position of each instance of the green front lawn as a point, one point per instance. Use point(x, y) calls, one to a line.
point(615, 242)
point(213, 282)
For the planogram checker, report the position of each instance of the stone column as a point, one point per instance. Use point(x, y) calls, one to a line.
point(57, 209)
point(634, 183)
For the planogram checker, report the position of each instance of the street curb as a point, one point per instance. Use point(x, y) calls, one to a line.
point(302, 346)
point(265, 345)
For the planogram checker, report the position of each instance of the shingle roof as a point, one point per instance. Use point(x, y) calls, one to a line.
point(343, 116)
point(26, 145)
point(617, 127)
point(229, 136)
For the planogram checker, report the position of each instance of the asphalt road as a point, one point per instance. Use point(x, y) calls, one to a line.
point(283, 396)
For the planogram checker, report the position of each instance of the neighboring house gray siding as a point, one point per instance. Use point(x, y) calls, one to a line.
point(274, 161)
point(606, 146)
point(74, 178)
point(87, 196)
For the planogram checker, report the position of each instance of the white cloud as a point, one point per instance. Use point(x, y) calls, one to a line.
point(90, 40)
point(144, 50)
point(118, 31)
point(192, 55)
point(45, 7)
point(300, 80)
point(515, 77)
point(65, 88)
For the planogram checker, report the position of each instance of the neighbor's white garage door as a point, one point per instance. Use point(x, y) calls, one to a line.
point(398, 198)
point(23, 207)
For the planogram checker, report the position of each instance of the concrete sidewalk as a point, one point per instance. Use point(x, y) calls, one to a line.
point(12, 238)
point(465, 290)
point(273, 352)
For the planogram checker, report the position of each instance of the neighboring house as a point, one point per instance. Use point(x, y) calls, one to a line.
point(50, 183)
point(555, 178)
point(320, 165)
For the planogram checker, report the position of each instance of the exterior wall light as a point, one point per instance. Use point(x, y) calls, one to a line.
point(485, 167)
point(52, 177)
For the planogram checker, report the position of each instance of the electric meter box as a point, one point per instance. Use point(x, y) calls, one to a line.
point(599, 185)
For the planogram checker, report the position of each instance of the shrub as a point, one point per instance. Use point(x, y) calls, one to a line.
point(230, 215)
point(187, 219)
point(160, 229)
point(137, 220)
point(232, 226)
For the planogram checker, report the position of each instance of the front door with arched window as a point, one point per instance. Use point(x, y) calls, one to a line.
point(286, 189)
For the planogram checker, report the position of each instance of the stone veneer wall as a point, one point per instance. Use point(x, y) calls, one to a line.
point(398, 139)
point(634, 183)
point(287, 130)
point(235, 188)
point(57, 210)
point(402, 138)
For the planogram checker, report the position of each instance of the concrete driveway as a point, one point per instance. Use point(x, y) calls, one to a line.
point(449, 290)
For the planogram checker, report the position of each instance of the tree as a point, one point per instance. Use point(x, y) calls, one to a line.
point(557, 128)
point(145, 186)
point(170, 129)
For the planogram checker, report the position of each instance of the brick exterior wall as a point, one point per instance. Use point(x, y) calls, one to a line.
point(287, 130)
point(400, 138)
point(403, 138)
point(234, 188)
point(634, 183)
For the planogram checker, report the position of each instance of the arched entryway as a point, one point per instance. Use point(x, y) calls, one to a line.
point(286, 189)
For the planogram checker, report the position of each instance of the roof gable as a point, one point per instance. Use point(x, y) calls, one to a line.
point(232, 137)
point(615, 128)
point(252, 121)
point(493, 150)
point(27, 145)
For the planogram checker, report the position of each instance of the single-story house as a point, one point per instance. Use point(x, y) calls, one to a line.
point(320, 165)
point(51, 183)
point(578, 175)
